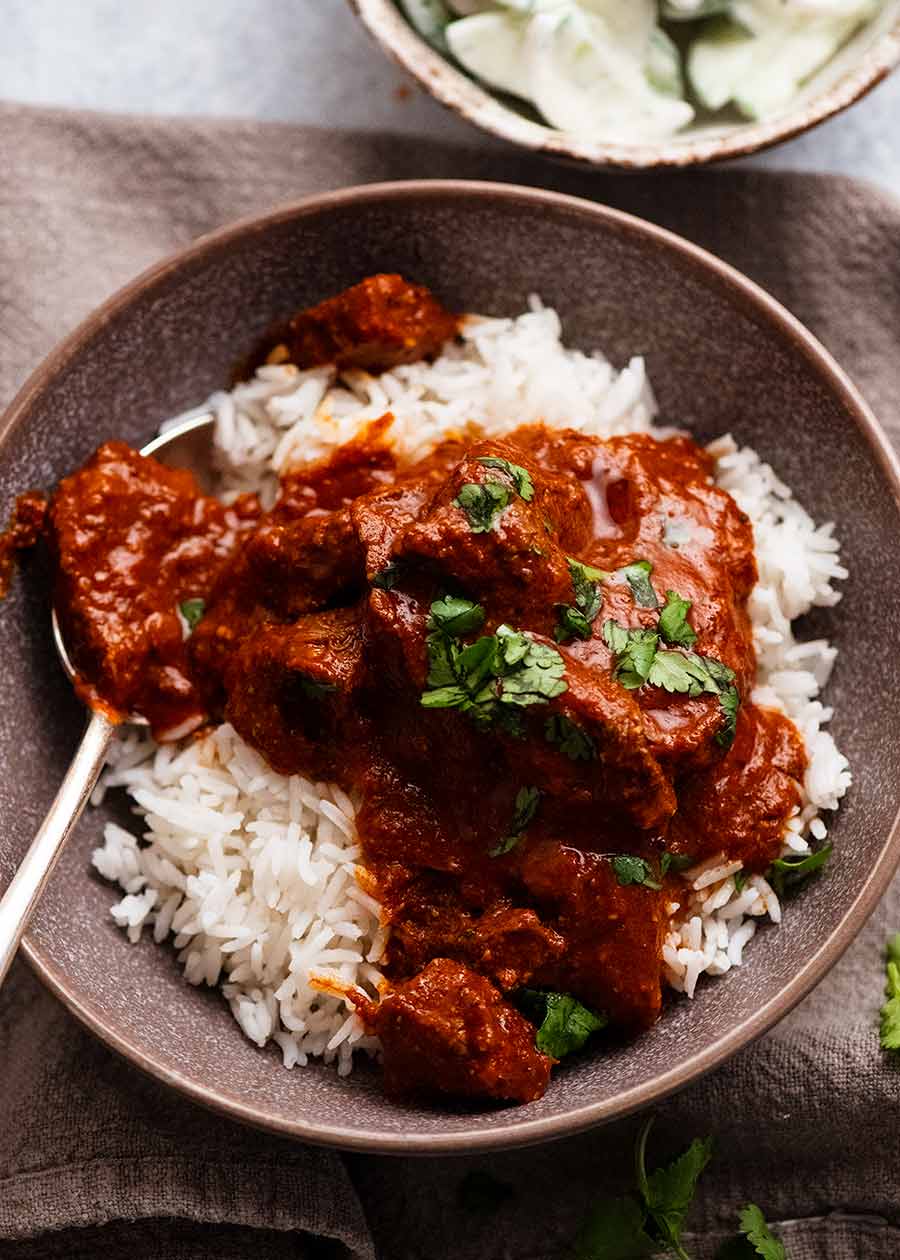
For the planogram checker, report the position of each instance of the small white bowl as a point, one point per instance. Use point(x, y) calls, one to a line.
point(861, 64)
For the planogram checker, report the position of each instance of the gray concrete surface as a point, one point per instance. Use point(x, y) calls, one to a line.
point(304, 61)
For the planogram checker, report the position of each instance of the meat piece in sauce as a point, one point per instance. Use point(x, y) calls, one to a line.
point(134, 539)
point(449, 1031)
point(508, 944)
point(745, 799)
point(292, 691)
point(517, 568)
point(379, 323)
point(613, 933)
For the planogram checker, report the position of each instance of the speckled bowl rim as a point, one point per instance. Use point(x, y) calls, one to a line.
point(812, 970)
point(465, 97)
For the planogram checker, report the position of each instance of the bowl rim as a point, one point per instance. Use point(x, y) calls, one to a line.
point(813, 968)
point(475, 104)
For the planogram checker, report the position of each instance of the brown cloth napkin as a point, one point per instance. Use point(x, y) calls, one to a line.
point(95, 1159)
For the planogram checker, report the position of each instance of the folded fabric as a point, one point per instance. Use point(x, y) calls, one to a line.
point(96, 1159)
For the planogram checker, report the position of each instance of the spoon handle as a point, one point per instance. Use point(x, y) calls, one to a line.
point(28, 882)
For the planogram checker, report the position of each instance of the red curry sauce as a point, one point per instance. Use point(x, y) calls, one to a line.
point(318, 643)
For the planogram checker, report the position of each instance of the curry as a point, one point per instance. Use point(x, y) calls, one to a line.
point(530, 659)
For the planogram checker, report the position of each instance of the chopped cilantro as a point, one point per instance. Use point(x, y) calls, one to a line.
point(455, 616)
point(520, 476)
point(481, 1193)
point(483, 504)
point(313, 689)
point(493, 677)
point(639, 660)
point(890, 1011)
point(635, 650)
point(757, 1240)
point(570, 624)
point(570, 738)
point(386, 580)
point(638, 577)
point(633, 870)
point(564, 1025)
point(673, 624)
point(675, 862)
point(527, 800)
point(575, 619)
point(730, 701)
point(787, 873)
point(667, 1192)
point(192, 610)
point(740, 879)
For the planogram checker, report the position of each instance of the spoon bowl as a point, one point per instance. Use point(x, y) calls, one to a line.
point(185, 443)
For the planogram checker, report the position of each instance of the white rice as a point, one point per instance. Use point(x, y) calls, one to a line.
point(253, 873)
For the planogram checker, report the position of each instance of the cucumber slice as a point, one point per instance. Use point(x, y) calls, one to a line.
point(663, 65)
point(761, 72)
point(719, 60)
point(785, 60)
point(492, 47)
point(585, 83)
point(429, 18)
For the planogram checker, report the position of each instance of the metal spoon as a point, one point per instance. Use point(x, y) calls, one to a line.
point(185, 445)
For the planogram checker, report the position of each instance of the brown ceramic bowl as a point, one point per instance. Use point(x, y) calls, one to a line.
point(872, 53)
point(722, 356)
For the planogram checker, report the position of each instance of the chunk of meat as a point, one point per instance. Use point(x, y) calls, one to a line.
point(742, 803)
point(506, 943)
point(617, 771)
point(133, 539)
point(377, 324)
point(613, 933)
point(517, 567)
point(448, 1031)
point(292, 692)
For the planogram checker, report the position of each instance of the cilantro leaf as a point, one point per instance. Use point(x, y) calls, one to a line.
point(730, 702)
point(564, 1024)
point(387, 578)
point(520, 476)
point(192, 610)
point(668, 1192)
point(758, 1239)
point(571, 624)
point(481, 1193)
point(786, 873)
point(572, 741)
point(492, 677)
point(635, 650)
point(313, 689)
point(532, 672)
point(639, 660)
point(676, 862)
point(673, 624)
point(483, 504)
point(455, 616)
point(527, 800)
point(637, 576)
point(740, 879)
point(614, 1230)
point(575, 620)
point(634, 870)
point(890, 1011)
